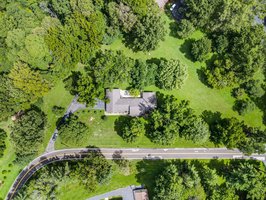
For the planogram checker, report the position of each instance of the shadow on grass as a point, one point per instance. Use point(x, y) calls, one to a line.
point(202, 76)
point(186, 49)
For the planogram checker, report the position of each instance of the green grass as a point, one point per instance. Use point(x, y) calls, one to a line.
point(57, 96)
point(102, 133)
point(70, 189)
point(8, 158)
point(200, 96)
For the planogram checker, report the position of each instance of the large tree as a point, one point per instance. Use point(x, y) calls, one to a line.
point(248, 180)
point(72, 131)
point(148, 32)
point(172, 74)
point(27, 133)
point(29, 81)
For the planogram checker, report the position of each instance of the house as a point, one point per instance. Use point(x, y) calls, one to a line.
point(121, 103)
point(141, 194)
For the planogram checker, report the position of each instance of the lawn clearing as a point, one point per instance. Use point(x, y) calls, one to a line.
point(102, 133)
point(200, 96)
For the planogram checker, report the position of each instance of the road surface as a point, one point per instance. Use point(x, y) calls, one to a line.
point(131, 154)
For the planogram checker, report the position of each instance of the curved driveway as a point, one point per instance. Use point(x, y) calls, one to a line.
point(131, 154)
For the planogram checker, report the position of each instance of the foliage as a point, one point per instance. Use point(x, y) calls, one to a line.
point(178, 182)
point(29, 81)
point(197, 131)
point(229, 131)
point(219, 74)
point(27, 133)
point(12, 99)
point(247, 180)
point(253, 88)
point(58, 110)
point(201, 48)
point(171, 74)
point(72, 130)
point(110, 69)
point(142, 74)
point(185, 28)
point(148, 32)
point(134, 128)
point(78, 39)
point(140, 7)
point(244, 106)
point(170, 118)
point(3, 136)
point(121, 16)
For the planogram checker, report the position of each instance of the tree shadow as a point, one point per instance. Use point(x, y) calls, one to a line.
point(202, 77)
point(186, 48)
point(219, 165)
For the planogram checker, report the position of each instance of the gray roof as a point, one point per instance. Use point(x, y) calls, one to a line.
point(133, 106)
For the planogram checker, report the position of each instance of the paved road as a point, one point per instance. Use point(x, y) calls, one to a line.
point(73, 107)
point(131, 154)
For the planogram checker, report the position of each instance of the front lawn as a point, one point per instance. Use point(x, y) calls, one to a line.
point(102, 133)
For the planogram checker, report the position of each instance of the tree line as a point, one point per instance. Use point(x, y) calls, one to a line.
point(109, 69)
point(236, 179)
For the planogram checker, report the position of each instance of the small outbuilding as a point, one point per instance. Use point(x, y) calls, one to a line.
point(141, 194)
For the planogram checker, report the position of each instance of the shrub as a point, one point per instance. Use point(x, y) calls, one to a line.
point(238, 92)
point(201, 48)
point(58, 110)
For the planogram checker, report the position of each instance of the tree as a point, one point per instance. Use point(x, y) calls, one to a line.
point(197, 130)
point(140, 7)
point(244, 106)
point(29, 81)
point(3, 136)
point(148, 32)
point(142, 74)
point(72, 131)
point(171, 74)
point(221, 44)
point(228, 131)
point(121, 16)
point(78, 39)
point(247, 179)
point(12, 99)
point(220, 74)
point(110, 68)
point(185, 28)
point(168, 185)
point(201, 48)
point(36, 52)
point(27, 133)
point(166, 121)
point(178, 181)
point(87, 90)
point(133, 129)
point(253, 88)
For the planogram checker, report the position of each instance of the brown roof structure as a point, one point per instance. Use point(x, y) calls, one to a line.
point(141, 194)
point(127, 105)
